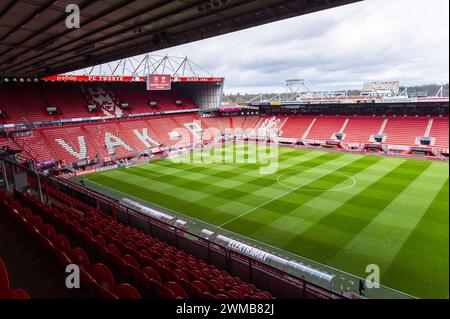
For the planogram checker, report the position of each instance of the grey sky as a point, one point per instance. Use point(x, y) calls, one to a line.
point(406, 40)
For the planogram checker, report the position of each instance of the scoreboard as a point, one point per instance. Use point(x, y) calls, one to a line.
point(159, 82)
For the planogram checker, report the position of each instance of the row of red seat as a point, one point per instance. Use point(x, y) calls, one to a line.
point(6, 292)
point(156, 269)
point(73, 143)
point(60, 247)
point(27, 102)
point(136, 255)
point(359, 129)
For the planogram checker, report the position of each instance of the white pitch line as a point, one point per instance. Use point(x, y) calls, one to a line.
point(332, 189)
point(282, 195)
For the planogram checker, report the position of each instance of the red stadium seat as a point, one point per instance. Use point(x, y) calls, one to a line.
point(36, 220)
point(130, 260)
point(200, 285)
point(117, 262)
point(192, 290)
point(174, 274)
point(113, 249)
point(62, 244)
point(79, 257)
point(177, 290)
point(126, 291)
point(140, 278)
point(152, 274)
point(160, 291)
point(4, 279)
point(103, 276)
point(15, 294)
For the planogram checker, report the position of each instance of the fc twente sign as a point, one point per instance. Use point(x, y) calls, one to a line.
point(158, 79)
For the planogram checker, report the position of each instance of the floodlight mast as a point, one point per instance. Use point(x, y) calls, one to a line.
point(296, 88)
point(440, 93)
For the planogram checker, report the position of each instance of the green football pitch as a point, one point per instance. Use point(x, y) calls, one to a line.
point(342, 210)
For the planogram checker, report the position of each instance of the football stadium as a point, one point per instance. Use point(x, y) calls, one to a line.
point(125, 175)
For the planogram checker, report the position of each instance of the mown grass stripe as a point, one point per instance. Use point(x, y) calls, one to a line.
point(311, 211)
point(213, 193)
point(343, 224)
point(386, 233)
point(259, 219)
point(422, 264)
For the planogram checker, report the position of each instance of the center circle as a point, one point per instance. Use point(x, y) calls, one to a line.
point(350, 182)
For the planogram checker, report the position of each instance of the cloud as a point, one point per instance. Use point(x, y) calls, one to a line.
point(404, 40)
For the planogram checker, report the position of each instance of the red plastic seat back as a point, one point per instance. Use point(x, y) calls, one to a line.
point(130, 260)
point(126, 291)
point(79, 257)
point(177, 290)
point(103, 276)
point(114, 250)
point(26, 212)
point(192, 290)
point(62, 243)
point(4, 279)
point(161, 292)
point(152, 274)
point(37, 221)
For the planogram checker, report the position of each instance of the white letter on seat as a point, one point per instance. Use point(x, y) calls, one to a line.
point(82, 154)
point(144, 137)
point(113, 141)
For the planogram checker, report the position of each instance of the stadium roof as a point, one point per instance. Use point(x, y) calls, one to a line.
point(34, 40)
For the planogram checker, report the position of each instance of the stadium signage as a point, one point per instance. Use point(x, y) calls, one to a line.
point(258, 254)
point(89, 171)
point(373, 146)
point(112, 78)
point(159, 82)
point(198, 79)
point(93, 78)
point(420, 149)
point(106, 168)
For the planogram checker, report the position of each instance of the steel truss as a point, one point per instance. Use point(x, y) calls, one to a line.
point(147, 65)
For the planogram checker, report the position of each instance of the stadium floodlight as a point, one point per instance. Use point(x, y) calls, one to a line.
point(295, 88)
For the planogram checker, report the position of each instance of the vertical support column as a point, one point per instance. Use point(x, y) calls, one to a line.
point(41, 198)
point(14, 177)
point(5, 176)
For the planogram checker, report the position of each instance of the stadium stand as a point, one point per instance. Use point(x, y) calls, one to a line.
point(76, 142)
point(138, 98)
point(296, 126)
point(325, 126)
point(109, 252)
point(27, 102)
point(22, 103)
point(67, 98)
point(360, 128)
point(439, 131)
point(6, 292)
point(405, 131)
point(34, 145)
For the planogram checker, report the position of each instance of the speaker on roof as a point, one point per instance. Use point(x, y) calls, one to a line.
point(425, 141)
point(51, 110)
point(92, 108)
point(178, 102)
point(378, 138)
point(125, 105)
point(153, 103)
